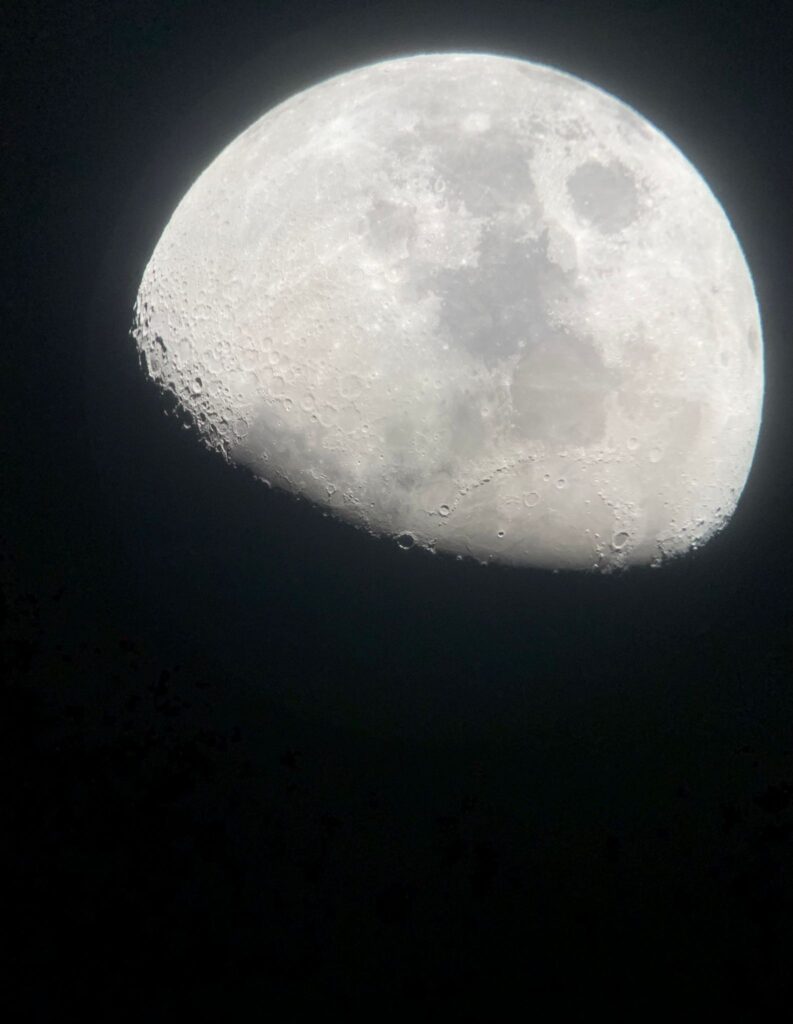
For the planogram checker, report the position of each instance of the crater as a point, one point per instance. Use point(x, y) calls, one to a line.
point(605, 195)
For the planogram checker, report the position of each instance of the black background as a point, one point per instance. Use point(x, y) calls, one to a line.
point(258, 762)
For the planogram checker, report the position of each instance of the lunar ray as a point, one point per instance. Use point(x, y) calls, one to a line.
point(470, 302)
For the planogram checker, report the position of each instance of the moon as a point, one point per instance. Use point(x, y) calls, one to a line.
point(472, 303)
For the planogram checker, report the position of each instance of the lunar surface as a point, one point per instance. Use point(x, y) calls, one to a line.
point(471, 303)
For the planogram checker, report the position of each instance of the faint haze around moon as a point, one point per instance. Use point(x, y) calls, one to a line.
point(470, 302)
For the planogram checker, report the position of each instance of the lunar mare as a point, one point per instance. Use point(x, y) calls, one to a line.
point(471, 302)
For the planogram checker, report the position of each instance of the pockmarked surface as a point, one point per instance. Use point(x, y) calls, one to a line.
point(470, 302)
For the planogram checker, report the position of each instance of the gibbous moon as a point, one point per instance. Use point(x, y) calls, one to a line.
point(472, 303)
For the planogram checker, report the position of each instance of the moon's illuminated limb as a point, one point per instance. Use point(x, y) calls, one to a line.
point(469, 299)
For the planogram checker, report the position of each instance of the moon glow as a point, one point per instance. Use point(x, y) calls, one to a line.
point(472, 303)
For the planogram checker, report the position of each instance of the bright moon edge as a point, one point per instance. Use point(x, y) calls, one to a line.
point(470, 302)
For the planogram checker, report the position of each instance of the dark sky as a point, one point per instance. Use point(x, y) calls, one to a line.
point(254, 758)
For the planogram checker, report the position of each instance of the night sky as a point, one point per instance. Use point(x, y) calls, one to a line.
point(256, 762)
